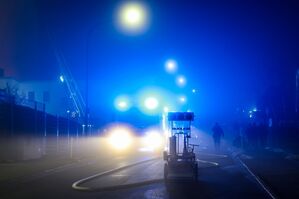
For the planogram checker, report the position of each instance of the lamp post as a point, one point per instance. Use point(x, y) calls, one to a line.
point(132, 18)
point(87, 111)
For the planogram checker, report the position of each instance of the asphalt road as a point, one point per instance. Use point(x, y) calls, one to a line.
point(226, 179)
point(57, 182)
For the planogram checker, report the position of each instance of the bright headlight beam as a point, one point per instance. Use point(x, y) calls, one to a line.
point(153, 140)
point(120, 138)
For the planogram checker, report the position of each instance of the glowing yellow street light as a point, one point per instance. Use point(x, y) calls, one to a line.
point(132, 17)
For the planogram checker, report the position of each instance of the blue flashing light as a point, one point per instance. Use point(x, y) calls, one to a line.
point(122, 103)
point(155, 100)
point(182, 99)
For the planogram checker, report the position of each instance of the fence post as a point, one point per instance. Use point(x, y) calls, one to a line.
point(77, 127)
point(57, 133)
point(12, 103)
point(71, 148)
point(35, 118)
point(12, 116)
point(68, 126)
point(45, 120)
point(45, 130)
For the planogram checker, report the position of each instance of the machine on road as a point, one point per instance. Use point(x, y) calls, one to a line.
point(180, 160)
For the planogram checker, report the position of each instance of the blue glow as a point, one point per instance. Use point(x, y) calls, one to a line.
point(242, 73)
point(181, 81)
point(152, 100)
point(171, 66)
point(166, 109)
point(122, 103)
point(182, 99)
point(61, 78)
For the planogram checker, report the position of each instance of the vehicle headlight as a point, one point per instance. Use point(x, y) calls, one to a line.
point(120, 138)
point(153, 139)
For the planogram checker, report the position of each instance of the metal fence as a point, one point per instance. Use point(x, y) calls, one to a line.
point(25, 126)
point(23, 117)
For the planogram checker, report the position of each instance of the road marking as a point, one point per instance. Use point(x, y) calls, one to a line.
point(60, 167)
point(217, 155)
point(77, 185)
point(209, 162)
point(119, 175)
point(257, 179)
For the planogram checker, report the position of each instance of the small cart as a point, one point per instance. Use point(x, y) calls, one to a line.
point(180, 160)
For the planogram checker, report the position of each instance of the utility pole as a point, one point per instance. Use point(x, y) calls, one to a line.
point(297, 93)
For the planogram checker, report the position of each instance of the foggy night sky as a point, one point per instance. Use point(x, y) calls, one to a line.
point(224, 48)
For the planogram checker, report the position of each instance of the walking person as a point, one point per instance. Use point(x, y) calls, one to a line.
point(217, 135)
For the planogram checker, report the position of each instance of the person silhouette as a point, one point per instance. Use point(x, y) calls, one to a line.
point(217, 134)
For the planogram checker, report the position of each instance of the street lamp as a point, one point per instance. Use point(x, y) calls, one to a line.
point(132, 17)
point(151, 103)
point(171, 66)
point(181, 81)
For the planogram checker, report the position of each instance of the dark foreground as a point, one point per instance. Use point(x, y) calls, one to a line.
point(220, 176)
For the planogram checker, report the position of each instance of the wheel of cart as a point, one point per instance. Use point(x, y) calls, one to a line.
point(196, 172)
